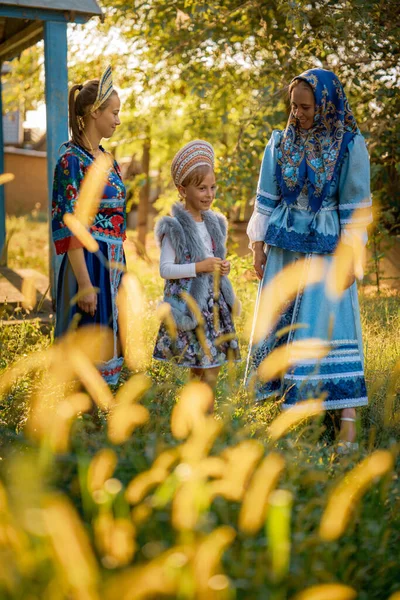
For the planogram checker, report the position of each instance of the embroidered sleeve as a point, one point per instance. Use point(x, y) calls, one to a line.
point(67, 179)
point(267, 190)
point(355, 204)
point(267, 198)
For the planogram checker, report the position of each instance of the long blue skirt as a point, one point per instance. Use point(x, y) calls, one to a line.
point(106, 276)
point(313, 313)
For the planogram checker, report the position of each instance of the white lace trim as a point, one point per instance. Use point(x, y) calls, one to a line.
point(334, 343)
point(332, 404)
point(264, 210)
point(329, 360)
point(343, 352)
point(324, 376)
point(355, 205)
point(261, 192)
point(307, 208)
point(358, 222)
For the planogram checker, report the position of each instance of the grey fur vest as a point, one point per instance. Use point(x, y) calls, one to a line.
point(182, 232)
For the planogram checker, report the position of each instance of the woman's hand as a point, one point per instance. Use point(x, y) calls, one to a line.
point(87, 299)
point(350, 278)
point(225, 267)
point(344, 270)
point(259, 259)
point(209, 265)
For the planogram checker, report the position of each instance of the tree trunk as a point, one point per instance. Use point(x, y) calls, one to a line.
point(144, 195)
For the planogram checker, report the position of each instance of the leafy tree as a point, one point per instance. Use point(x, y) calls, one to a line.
point(23, 82)
point(237, 57)
point(220, 71)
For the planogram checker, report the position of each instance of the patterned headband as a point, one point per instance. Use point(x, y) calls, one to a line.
point(105, 89)
point(194, 154)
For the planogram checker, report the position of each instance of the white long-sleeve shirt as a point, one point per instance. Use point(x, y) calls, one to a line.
point(169, 269)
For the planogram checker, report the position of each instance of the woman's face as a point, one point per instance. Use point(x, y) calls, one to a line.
point(107, 120)
point(302, 104)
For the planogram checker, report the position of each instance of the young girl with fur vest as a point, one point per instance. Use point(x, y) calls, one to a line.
point(193, 254)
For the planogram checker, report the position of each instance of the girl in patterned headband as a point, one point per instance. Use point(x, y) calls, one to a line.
point(313, 190)
point(95, 278)
point(93, 112)
point(193, 251)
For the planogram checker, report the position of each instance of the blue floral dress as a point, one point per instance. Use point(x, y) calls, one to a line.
point(305, 202)
point(106, 266)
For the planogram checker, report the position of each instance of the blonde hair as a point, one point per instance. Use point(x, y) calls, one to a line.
point(196, 176)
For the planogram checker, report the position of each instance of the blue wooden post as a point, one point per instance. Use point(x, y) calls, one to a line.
point(3, 248)
point(56, 73)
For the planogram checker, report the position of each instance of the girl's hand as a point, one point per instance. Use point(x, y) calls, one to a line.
point(225, 267)
point(259, 260)
point(209, 265)
point(87, 300)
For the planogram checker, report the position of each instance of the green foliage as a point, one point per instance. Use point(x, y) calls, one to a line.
point(230, 61)
point(219, 71)
point(23, 85)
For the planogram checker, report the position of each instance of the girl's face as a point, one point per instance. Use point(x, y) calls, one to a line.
point(302, 103)
point(107, 120)
point(199, 197)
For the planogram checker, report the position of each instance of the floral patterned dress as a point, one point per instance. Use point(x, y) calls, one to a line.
point(209, 345)
point(105, 267)
point(314, 189)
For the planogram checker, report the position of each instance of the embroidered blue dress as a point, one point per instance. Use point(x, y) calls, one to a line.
point(305, 202)
point(108, 228)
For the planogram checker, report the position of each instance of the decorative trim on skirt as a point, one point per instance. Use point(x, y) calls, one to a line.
point(338, 378)
point(106, 276)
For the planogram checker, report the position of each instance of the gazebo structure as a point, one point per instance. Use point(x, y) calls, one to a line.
point(22, 24)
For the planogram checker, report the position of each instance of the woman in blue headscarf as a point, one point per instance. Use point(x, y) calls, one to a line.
point(313, 191)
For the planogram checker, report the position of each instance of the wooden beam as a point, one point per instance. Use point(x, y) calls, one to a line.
point(3, 245)
point(36, 14)
point(25, 38)
point(2, 27)
point(56, 72)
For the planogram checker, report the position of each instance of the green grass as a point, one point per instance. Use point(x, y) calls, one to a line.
point(365, 557)
point(28, 245)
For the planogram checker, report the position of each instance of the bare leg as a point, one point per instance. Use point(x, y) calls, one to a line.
point(196, 374)
point(208, 376)
point(348, 432)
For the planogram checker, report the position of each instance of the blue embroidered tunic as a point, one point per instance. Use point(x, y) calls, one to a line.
point(105, 267)
point(109, 222)
point(295, 226)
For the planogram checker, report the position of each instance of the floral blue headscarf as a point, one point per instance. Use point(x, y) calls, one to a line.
point(313, 159)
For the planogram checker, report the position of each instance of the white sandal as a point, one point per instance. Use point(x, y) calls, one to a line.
point(343, 446)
